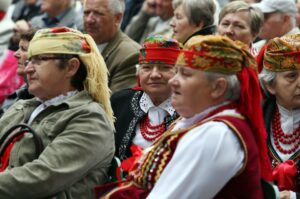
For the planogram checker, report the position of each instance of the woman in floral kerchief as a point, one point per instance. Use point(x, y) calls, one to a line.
point(217, 148)
point(280, 79)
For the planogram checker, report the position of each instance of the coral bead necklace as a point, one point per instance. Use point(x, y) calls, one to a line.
point(291, 138)
point(151, 132)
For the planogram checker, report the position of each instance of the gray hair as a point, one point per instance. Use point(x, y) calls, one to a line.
point(176, 3)
point(199, 11)
point(116, 6)
point(255, 15)
point(233, 90)
point(267, 77)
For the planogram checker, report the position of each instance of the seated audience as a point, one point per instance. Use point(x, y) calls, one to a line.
point(279, 20)
point(153, 18)
point(280, 79)
point(70, 115)
point(26, 10)
point(102, 19)
point(193, 18)
point(239, 21)
point(21, 56)
point(217, 148)
point(143, 114)
point(57, 14)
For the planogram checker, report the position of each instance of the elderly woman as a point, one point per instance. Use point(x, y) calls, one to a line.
point(239, 21)
point(280, 79)
point(67, 145)
point(143, 114)
point(193, 17)
point(191, 159)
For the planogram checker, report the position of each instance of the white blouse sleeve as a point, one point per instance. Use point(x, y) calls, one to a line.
point(205, 159)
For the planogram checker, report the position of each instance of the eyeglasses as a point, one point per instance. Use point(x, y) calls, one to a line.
point(37, 60)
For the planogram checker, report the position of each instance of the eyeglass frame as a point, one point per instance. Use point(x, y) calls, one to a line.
point(41, 58)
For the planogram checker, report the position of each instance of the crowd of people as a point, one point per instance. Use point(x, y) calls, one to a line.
point(149, 99)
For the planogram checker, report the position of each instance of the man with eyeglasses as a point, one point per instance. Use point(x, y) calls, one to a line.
point(71, 142)
point(279, 20)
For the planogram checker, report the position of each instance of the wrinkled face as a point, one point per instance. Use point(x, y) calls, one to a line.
point(154, 81)
point(271, 26)
point(99, 21)
point(191, 91)
point(40, 72)
point(287, 89)
point(182, 28)
point(21, 55)
point(237, 27)
point(164, 9)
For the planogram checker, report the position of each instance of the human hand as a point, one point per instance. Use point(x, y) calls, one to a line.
point(285, 194)
point(149, 7)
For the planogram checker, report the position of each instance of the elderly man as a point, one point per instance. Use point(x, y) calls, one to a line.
point(68, 143)
point(215, 79)
point(279, 20)
point(102, 20)
point(58, 13)
point(153, 18)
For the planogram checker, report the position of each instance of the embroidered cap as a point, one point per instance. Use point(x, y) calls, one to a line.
point(158, 49)
point(215, 54)
point(283, 53)
point(63, 40)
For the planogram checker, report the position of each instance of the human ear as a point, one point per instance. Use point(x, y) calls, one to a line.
point(73, 66)
point(219, 88)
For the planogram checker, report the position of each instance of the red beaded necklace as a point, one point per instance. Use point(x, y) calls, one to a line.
point(280, 137)
point(151, 132)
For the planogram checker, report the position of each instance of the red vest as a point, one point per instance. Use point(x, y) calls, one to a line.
point(246, 184)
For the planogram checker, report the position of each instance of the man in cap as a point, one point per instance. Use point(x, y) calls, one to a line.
point(216, 93)
point(279, 19)
point(102, 19)
point(71, 144)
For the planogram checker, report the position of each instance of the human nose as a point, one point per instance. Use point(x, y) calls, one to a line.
point(90, 17)
point(17, 54)
point(228, 30)
point(28, 66)
point(155, 72)
point(173, 81)
point(172, 22)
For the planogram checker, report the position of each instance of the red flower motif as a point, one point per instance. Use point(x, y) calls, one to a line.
point(85, 46)
point(60, 29)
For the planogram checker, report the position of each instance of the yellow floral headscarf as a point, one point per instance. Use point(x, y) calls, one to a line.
point(65, 40)
point(283, 54)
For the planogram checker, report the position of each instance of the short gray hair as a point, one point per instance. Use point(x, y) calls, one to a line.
point(116, 6)
point(267, 77)
point(233, 90)
point(199, 11)
point(256, 16)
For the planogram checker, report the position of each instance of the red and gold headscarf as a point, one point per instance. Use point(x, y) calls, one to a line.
point(216, 54)
point(219, 54)
point(158, 49)
point(283, 53)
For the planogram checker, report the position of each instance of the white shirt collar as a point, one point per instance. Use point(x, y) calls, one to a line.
point(186, 122)
point(101, 46)
point(146, 104)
